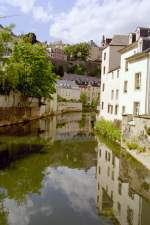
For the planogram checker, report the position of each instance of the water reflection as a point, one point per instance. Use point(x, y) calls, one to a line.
point(123, 187)
point(48, 186)
point(48, 176)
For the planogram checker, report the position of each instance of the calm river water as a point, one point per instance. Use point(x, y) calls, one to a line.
point(54, 171)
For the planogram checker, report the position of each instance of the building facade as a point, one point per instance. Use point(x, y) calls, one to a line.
point(56, 53)
point(68, 90)
point(125, 85)
point(110, 77)
point(86, 84)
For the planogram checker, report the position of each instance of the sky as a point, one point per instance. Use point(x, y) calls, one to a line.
point(75, 21)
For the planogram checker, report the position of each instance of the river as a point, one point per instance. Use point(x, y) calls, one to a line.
point(55, 171)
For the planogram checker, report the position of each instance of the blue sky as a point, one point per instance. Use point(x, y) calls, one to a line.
point(75, 20)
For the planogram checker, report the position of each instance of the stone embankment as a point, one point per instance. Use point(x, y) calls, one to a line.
point(16, 109)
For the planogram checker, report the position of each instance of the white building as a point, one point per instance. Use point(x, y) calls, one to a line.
point(125, 85)
point(110, 80)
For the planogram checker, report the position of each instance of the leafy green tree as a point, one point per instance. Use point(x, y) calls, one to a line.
point(79, 69)
point(78, 51)
point(29, 38)
point(94, 104)
point(6, 46)
point(32, 70)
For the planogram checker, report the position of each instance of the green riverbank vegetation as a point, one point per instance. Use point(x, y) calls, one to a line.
point(108, 129)
point(88, 107)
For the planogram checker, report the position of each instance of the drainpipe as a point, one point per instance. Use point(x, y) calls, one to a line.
point(147, 106)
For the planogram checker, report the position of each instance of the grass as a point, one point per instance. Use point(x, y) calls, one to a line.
point(108, 129)
point(135, 146)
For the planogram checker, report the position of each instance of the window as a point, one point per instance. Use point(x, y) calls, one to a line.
point(108, 108)
point(104, 55)
point(116, 109)
point(123, 109)
point(112, 94)
point(104, 70)
point(99, 170)
point(108, 171)
point(120, 188)
point(100, 152)
point(111, 109)
point(126, 65)
point(117, 94)
point(106, 155)
point(137, 81)
point(102, 105)
point(118, 73)
point(136, 108)
point(130, 215)
point(103, 89)
point(119, 208)
point(125, 86)
point(113, 160)
point(113, 175)
point(109, 157)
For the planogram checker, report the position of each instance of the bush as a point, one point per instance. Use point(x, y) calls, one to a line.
point(147, 130)
point(132, 145)
point(108, 129)
point(135, 146)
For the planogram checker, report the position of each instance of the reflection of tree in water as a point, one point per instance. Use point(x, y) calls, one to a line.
point(26, 175)
point(82, 122)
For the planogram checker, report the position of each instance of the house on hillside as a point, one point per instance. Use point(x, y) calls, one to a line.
point(57, 54)
point(68, 90)
point(87, 85)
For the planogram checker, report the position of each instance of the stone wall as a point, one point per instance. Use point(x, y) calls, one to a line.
point(137, 128)
point(16, 109)
point(69, 107)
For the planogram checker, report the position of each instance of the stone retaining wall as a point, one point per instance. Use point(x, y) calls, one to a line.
point(69, 107)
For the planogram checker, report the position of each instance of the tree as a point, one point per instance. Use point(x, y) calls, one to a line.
point(83, 99)
point(94, 104)
point(32, 70)
point(6, 45)
point(79, 69)
point(77, 52)
point(30, 38)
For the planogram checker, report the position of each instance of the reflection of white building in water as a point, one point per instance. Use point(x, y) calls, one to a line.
point(115, 196)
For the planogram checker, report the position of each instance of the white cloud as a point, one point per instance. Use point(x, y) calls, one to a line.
point(73, 183)
point(89, 19)
point(25, 5)
point(39, 12)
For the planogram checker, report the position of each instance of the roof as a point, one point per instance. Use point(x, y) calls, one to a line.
point(116, 68)
point(82, 80)
point(92, 43)
point(69, 76)
point(128, 47)
point(67, 84)
point(143, 28)
point(120, 40)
